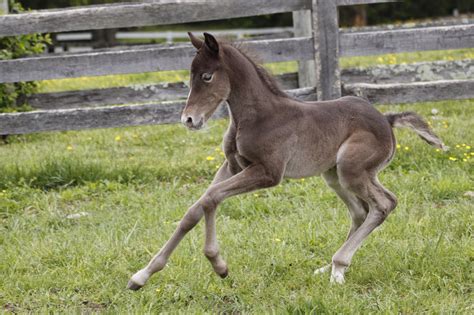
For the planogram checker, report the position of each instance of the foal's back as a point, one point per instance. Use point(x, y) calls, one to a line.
point(325, 126)
point(350, 114)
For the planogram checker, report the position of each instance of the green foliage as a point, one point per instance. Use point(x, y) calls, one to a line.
point(13, 95)
point(415, 9)
point(49, 4)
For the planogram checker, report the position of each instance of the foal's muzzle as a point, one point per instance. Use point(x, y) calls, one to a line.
point(193, 123)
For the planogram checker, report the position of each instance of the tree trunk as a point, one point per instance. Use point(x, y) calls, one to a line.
point(104, 38)
point(360, 17)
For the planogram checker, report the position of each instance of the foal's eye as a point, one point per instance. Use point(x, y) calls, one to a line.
point(207, 77)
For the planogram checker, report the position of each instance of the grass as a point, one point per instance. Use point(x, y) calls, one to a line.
point(134, 184)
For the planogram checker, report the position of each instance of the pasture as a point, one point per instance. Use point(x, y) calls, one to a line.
point(81, 211)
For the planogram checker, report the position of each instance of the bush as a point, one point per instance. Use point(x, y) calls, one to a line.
point(13, 95)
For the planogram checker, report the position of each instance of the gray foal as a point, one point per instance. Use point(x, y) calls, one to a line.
point(272, 136)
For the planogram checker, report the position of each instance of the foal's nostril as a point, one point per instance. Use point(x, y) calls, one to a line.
point(189, 121)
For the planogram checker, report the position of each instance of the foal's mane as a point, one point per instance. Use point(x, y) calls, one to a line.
point(263, 74)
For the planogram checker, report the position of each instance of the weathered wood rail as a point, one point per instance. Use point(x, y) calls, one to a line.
point(317, 47)
point(107, 117)
point(147, 93)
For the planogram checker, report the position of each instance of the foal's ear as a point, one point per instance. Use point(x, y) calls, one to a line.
point(211, 43)
point(197, 43)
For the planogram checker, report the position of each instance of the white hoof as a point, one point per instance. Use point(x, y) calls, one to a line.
point(322, 270)
point(140, 277)
point(337, 276)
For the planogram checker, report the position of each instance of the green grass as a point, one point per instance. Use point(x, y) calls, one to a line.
point(135, 184)
point(109, 81)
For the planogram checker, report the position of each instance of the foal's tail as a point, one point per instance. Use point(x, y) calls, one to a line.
point(416, 123)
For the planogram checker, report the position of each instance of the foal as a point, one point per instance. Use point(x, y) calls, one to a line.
point(272, 136)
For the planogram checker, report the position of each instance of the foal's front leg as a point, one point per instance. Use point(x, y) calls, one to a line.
point(211, 246)
point(251, 178)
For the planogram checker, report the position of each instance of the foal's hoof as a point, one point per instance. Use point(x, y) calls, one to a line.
point(133, 286)
point(337, 277)
point(224, 274)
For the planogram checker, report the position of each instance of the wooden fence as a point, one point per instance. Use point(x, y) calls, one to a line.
point(317, 47)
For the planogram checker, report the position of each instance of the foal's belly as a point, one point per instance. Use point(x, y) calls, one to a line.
point(307, 163)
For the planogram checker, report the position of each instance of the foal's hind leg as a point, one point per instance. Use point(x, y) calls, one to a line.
point(357, 170)
point(358, 208)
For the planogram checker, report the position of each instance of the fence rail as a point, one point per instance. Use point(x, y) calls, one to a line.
point(137, 59)
point(147, 93)
point(141, 14)
point(406, 40)
point(149, 13)
point(317, 48)
point(390, 93)
point(104, 117)
point(152, 58)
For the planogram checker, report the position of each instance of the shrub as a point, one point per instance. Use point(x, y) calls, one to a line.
point(13, 95)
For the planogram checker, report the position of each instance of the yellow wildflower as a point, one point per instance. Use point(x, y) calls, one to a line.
point(210, 158)
point(398, 146)
point(464, 160)
point(407, 148)
point(452, 158)
point(468, 147)
point(277, 240)
point(458, 146)
point(438, 150)
point(118, 138)
point(69, 148)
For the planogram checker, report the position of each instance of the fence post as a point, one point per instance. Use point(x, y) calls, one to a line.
point(302, 27)
point(326, 49)
point(3, 7)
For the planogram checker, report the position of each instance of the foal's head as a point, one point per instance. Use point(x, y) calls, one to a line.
point(209, 82)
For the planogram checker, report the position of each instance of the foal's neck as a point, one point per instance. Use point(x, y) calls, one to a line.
point(250, 96)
